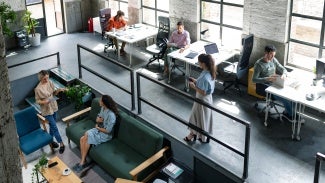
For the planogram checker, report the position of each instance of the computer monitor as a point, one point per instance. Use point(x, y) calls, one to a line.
point(320, 69)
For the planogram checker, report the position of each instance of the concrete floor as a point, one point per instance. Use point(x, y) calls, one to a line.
point(274, 157)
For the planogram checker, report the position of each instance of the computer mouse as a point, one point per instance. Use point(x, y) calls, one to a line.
point(310, 97)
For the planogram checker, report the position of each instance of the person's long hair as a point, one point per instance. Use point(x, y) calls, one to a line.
point(110, 103)
point(209, 63)
point(118, 15)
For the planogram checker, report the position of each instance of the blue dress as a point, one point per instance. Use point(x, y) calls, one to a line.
point(96, 137)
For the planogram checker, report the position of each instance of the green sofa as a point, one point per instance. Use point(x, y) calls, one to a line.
point(135, 152)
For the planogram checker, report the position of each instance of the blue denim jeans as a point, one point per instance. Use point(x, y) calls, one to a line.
point(54, 131)
point(288, 105)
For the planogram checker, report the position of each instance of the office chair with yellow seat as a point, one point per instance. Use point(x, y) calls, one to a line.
point(233, 72)
point(159, 48)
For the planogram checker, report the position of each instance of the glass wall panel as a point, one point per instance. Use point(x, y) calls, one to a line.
point(241, 2)
point(231, 38)
point(308, 7)
point(302, 55)
point(149, 3)
point(212, 34)
point(233, 16)
point(149, 16)
point(124, 8)
point(211, 11)
point(163, 5)
point(304, 29)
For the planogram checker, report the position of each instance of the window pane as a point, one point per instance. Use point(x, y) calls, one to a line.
point(35, 10)
point(163, 5)
point(233, 16)
point(231, 38)
point(308, 7)
point(302, 55)
point(241, 2)
point(305, 29)
point(149, 16)
point(124, 8)
point(28, 2)
point(149, 3)
point(211, 11)
point(114, 7)
point(212, 34)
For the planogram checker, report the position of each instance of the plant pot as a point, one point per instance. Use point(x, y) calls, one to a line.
point(35, 41)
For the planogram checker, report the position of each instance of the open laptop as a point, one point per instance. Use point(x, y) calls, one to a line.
point(211, 48)
point(279, 82)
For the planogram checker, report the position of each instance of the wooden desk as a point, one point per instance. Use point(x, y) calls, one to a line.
point(54, 174)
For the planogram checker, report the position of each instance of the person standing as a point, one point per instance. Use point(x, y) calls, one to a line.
point(118, 23)
point(201, 116)
point(266, 70)
point(102, 132)
point(44, 96)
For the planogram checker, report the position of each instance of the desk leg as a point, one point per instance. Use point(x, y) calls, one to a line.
point(118, 50)
point(169, 72)
point(295, 110)
point(301, 111)
point(187, 74)
point(268, 100)
point(130, 55)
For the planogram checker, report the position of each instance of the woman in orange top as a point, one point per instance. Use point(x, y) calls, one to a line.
point(118, 23)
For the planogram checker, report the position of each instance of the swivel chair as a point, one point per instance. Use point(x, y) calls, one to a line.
point(234, 72)
point(159, 48)
point(104, 16)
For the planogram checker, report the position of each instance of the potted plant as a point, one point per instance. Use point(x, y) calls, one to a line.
point(79, 94)
point(30, 26)
point(7, 15)
point(39, 167)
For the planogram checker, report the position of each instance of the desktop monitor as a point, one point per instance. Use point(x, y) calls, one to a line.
point(320, 69)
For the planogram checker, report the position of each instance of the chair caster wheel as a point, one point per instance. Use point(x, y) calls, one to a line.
point(186, 89)
point(265, 124)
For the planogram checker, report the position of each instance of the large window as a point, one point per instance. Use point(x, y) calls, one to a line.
point(116, 5)
point(151, 9)
point(306, 35)
point(224, 21)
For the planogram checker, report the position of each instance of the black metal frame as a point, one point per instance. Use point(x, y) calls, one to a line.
point(319, 158)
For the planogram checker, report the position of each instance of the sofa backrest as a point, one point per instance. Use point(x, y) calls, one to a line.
point(140, 137)
point(95, 109)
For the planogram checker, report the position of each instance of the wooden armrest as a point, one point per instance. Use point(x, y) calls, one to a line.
point(41, 117)
point(148, 162)
point(72, 116)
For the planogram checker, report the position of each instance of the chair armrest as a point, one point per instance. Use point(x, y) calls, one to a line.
point(43, 121)
point(74, 115)
point(134, 173)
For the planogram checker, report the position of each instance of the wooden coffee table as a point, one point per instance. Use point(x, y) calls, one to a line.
point(54, 174)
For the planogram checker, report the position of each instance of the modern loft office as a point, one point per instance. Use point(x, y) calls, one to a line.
point(251, 138)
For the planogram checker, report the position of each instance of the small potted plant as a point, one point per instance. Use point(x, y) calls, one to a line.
point(39, 167)
point(7, 15)
point(30, 26)
point(79, 94)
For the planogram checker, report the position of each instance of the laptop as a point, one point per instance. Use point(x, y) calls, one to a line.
point(279, 82)
point(211, 48)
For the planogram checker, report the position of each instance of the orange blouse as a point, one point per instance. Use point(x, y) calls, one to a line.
point(115, 24)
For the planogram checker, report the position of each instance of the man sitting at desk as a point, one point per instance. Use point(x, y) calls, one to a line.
point(265, 70)
point(118, 23)
point(179, 39)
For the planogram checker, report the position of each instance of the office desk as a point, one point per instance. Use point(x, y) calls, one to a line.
point(198, 46)
point(298, 98)
point(131, 35)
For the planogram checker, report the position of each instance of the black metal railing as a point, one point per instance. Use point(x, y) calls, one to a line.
point(141, 99)
point(319, 158)
point(57, 54)
point(81, 66)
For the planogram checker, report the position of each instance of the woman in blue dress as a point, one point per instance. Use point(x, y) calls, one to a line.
point(201, 116)
point(102, 132)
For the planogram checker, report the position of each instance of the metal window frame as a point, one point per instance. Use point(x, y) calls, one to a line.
point(320, 46)
point(221, 24)
point(156, 10)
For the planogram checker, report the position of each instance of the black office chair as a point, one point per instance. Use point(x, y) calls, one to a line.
point(104, 16)
point(233, 72)
point(159, 48)
point(260, 90)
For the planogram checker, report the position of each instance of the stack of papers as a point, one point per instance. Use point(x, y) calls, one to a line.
point(172, 170)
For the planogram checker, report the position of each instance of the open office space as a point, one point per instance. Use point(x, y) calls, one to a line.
point(246, 144)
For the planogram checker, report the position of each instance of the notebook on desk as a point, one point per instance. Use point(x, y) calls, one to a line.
point(191, 55)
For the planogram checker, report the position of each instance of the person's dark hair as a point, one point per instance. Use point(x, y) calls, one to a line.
point(180, 23)
point(119, 14)
point(42, 73)
point(270, 48)
point(209, 62)
point(110, 103)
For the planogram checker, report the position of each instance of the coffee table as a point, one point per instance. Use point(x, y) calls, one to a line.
point(54, 174)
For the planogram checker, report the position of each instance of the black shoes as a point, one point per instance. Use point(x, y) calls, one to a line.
point(54, 145)
point(193, 138)
point(61, 150)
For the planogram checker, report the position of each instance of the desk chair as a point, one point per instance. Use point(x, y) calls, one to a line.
point(260, 90)
point(159, 48)
point(234, 72)
point(104, 16)
point(30, 135)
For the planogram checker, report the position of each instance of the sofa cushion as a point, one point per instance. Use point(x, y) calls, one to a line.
point(116, 157)
point(78, 129)
point(95, 109)
point(139, 137)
